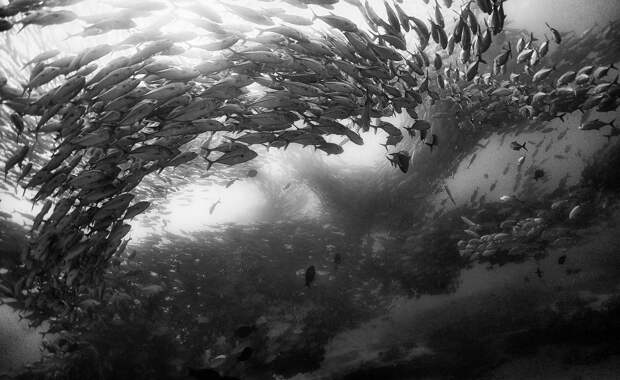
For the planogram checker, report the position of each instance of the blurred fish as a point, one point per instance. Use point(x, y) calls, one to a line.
point(401, 160)
point(538, 174)
point(516, 146)
point(212, 208)
point(310, 275)
point(337, 260)
point(556, 35)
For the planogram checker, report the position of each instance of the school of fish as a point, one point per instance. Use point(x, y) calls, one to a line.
point(109, 123)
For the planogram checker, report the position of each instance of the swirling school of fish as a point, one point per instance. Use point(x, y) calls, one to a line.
point(137, 114)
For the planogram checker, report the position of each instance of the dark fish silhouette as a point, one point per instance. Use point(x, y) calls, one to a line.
point(310, 275)
point(337, 260)
point(516, 146)
point(538, 174)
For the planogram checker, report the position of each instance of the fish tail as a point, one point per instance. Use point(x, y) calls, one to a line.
point(314, 15)
point(612, 123)
point(209, 163)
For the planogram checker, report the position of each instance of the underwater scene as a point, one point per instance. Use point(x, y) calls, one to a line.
point(309, 189)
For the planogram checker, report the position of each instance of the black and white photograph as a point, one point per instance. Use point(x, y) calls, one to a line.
point(309, 190)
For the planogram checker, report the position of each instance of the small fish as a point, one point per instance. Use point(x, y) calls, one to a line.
point(16, 159)
point(596, 124)
point(471, 161)
point(539, 273)
point(556, 35)
point(401, 160)
point(337, 260)
point(516, 146)
point(562, 259)
point(310, 275)
point(449, 194)
point(212, 208)
point(538, 174)
point(575, 212)
point(509, 198)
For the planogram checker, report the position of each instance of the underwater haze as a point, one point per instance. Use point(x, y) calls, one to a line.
point(309, 189)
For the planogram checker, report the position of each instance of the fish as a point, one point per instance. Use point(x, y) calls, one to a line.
point(538, 174)
point(539, 273)
point(212, 208)
point(596, 124)
point(16, 159)
point(516, 146)
point(337, 260)
point(501, 59)
point(401, 160)
point(48, 17)
point(338, 22)
point(310, 275)
point(109, 124)
point(542, 74)
point(556, 35)
point(575, 212)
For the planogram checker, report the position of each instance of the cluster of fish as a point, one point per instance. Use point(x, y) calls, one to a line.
point(517, 237)
point(139, 113)
point(548, 92)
